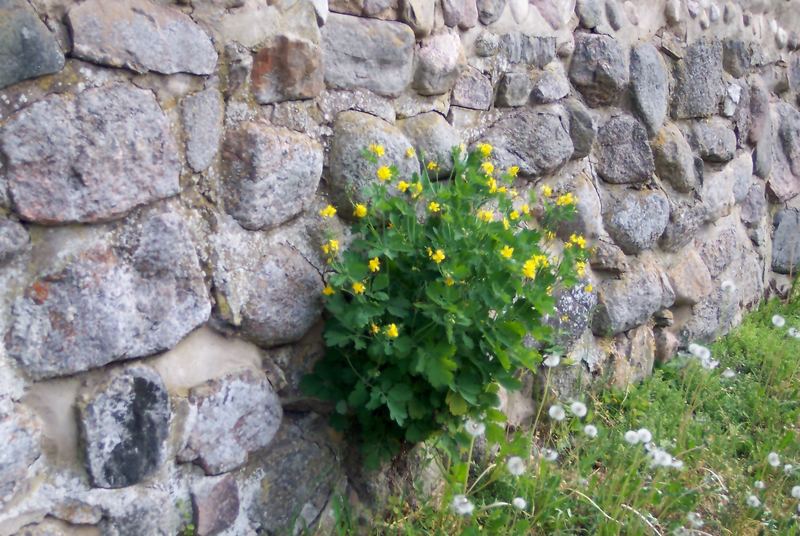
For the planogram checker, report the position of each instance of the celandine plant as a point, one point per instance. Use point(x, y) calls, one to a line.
point(429, 306)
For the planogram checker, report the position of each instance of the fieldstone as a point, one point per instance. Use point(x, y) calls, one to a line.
point(349, 171)
point(472, 90)
point(144, 510)
point(287, 68)
point(667, 345)
point(378, 9)
point(536, 140)
point(673, 12)
point(519, 10)
point(550, 84)
point(737, 57)
point(663, 318)
point(230, 417)
point(786, 242)
point(514, 89)
point(270, 174)
point(124, 424)
point(572, 315)
point(21, 431)
point(636, 219)
point(754, 205)
point(674, 160)
point(27, 48)
point(419, 15)
point(581, 128)
point(14, 239)
point(470, 17)
point(440, 60)
point(332, 102)
point(122, 155)
point(591, 13)
point(713, 139)
point(490, 10)
point(110, 305)
point(789, 135)
point(784, 179)
point(633, 356)
point(216, 505)
point(486, 44)
point(367, 53)
point(433, 137)
point(631, 300)
point(741, 115)
point(730, 102)
point(607, 257)
point(615, 15)
point(719, 193)
point(689, 278)
point(141, 36)
point(624, 156)
point(557, 13)
point(649, 86)
point(202, 114)
point(599, 69)
point(699, 84)
point(588, 220)
point(762, 129)
point(453, 12)
point(535, 51)
point(685, 218)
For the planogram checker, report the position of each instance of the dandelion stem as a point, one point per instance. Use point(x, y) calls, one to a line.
point(639, 514)
point(593, 504)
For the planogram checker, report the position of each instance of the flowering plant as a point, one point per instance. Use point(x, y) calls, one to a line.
point(429, 306)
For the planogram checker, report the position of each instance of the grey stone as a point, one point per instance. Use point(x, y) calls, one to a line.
point(419, 15)
point(21, 431)
point(470, 17)
point(333, 102)
point(110, 305)
point(742, 120)
point(472, 90)
point(624, 156)
point(433, 137)
point(514, 89)
point(607, 257)
point(754, 205)
point(663, 318)
point(124, 424)
point(216, 505)
point(591, 13)
point(588, 220)
point(287, 68)
point(689, 278)
point(14, 239)
point(615, 15)
point(440, 60)
point(550, 84)
point(713, 139)
point(674, 160)
point(486, 44)
point(636, 219)
point(786, 242)
point(490, 10)
point(633, 356)
point(719, 193)
point(144, 510)
point(270, 174)
point(536, 140)
point(666, 345)
point(366, 53)
point(140, 35)
point(453, 12)
point(202, 115)
point(122, 155)
point(699, 84)
point(599, 69)
point(762, 129)
point(789, 135)
point(582, 129)
point(737, 57)
point(349, 171)
point(684, 220)
point(572, 315)
point(722, 248)
point(631, 300)
point(557, 13)
point(27, 48)
point(784, 179)
point(230, 417)
point(649, 86)
point(536, 51)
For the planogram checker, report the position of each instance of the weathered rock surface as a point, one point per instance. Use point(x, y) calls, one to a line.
point(490, 10)
point(535, 51)
point(536, 140)
point(689, 278)
point(550, 84)
point(572, 315)
point(433, 137)
point(754, 205)
point(599, 69)
point(607, 257)
point(719, 192)
point(14, 239)
point(22, 434)
point(108, 305)
point(124, 422)
point(349, 171)
point(140, 35)
point(713, 139)
point(698, 81)
point(514, 89)
point(439, 62)
point(633, 357)
point(472, 90)
point(202, 115)
point(762, 129)
point(453, 12)
point(737, 57)
point(786, 242)
point(287, 68)
point(636, 219)
point(667, 345)
point(270, 174)
point(366, 53)
point(591, 13)
point(784, 181)
point(649, 86)
point(582, 129)
point(122, 155)
point(624, 155)
point(27, 48)
point(216, 505)
point(674, 160)
point(629, 301)
point(230, 418)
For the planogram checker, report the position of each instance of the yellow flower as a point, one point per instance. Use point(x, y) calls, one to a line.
point(485, 149)
point(449, 281)
point(328, 290)
point(547, 191)
point(487, 168)
point(514, 215)
point(403, 186)
point(433, 166)
point(588, 288)
point(533, 264)
point(430, 251)
point(374, 265)
point(374, 328)
point(417, 189)
point(513, 171)
point(550, 235)
point(506, 225)
point(377, 149)
point(549, 290)
point(580, 268)
point(331, 246)
point(507, 252)
point(360, 210)
point(578, 241)
point(513, 194)
point(525, 209)
point(433, 206)
point(492, 184)
point(502, 190)
point(438, 256)
point(485, 215)
point(410, 153)
point(391, 331)
point(384, 173)
point(358, 288)
point(328, 212)
point(564, 318)
point(565, 200)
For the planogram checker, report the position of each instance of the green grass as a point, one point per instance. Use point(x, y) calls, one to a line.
point(722, 429)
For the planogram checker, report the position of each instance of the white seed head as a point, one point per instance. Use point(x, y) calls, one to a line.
point(759, 484)
point(578, 409)
point(462, 506)
point(753, 501)
point(778, 321)
point(728, 285)
point(557, 412)
point(788, 468)
point(590, 430)
point(549, 455)
point(632, 437)
point(644, 435)
point(793, 332)
point(796, 492)
point(728, 373)
point(474, 428)
point(515, 465)
point(519, 503)
point(552, 361)
point(695, 520)
point(773, 459)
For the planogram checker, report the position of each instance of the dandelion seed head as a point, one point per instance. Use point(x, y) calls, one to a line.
point(793, 332)
point(759, 484)
point(644, 435)
point(462, 506)
point(695, 520)
point(753, 501)
point(788, 469)
point(728, 286)
point(552, 361)
point(677, 464)
point(519, 503)
point(590, 430)
point(778, 321)
point(632, 437)
point(557, 412)
point(728, 373)
point(515, 465)
point(549, 455)
point(578, 409)
point(773, 459)
point(582, 482)
point(474, 428)
point(796, 492)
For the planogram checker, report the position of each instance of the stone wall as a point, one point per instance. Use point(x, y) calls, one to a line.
point(162, 165)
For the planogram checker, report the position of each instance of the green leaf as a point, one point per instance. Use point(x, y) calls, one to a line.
point(457, 405)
